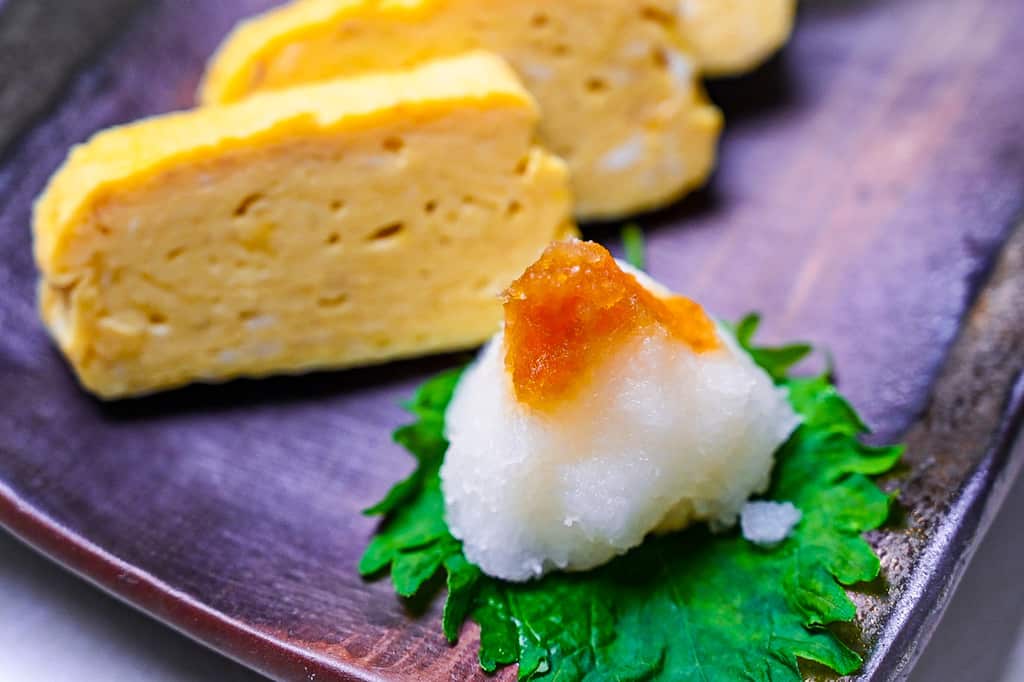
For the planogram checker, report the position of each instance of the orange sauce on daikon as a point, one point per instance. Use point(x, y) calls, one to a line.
point(574, 308)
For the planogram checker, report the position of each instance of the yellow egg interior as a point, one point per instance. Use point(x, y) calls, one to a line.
point(341, 224)
point(732, 36)
point(615, 81)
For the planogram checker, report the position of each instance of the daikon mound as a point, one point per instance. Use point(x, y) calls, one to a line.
point(659, 436)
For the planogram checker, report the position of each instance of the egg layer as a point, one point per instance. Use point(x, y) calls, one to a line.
point(619, 92)
point(729, 37)
point(335, 225)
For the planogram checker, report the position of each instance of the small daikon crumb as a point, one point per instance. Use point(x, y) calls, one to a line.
point(768, 523)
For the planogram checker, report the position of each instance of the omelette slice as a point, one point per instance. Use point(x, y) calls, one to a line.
point(344, 223)
point(729, 37)
point(619, 93)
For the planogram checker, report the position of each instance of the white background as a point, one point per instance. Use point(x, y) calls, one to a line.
point(56, 628)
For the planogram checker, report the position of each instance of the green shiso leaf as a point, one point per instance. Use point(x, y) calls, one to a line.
point(687, 606)
point(634, 246)
point(776, 361)
point(424, 439)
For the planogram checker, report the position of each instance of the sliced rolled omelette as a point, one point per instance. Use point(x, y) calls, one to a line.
point(729, 37)
point(619, 92)
point(340, 224)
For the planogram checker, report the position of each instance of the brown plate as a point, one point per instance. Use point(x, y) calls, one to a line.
point(870, 179)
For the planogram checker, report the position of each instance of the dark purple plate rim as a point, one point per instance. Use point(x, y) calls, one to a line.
point(153, 597)
point(952, 545)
